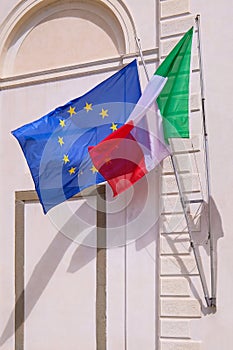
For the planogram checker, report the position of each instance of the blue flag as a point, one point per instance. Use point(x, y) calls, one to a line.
point(56, 145)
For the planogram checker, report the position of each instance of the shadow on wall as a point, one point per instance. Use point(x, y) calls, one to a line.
point(216, 229)
point(43, 273)
point(202, 243)
point(85, 253)
point(50, 260)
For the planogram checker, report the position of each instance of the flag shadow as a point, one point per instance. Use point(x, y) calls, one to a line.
point(42, 274)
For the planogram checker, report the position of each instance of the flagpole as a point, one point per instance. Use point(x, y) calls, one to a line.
point(192, 244)
point(196, 255)
point(141, 56)
point(206, 150)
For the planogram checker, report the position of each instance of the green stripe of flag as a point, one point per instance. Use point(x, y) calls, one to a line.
point(173, 101)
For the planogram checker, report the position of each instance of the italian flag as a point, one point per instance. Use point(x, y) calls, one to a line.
point(162, 112)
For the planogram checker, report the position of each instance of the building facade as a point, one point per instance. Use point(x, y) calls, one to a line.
point(144, 291)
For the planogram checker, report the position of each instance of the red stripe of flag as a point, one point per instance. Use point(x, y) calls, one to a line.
point(119, 159)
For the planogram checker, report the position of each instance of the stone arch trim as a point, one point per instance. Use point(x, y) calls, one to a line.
point(14, 24)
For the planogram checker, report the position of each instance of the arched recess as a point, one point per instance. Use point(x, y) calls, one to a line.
point(40, 35)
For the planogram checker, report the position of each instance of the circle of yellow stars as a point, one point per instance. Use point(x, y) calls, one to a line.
point(62, 122)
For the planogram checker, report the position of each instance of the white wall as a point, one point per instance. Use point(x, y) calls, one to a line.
point(216, 29)
point(52, 312)
point(133, 291)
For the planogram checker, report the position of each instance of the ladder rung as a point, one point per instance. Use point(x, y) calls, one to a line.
point(194, 201)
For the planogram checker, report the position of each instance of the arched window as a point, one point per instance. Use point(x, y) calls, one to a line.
point(53, 35)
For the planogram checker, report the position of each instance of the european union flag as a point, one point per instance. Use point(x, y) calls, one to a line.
point(56, 145)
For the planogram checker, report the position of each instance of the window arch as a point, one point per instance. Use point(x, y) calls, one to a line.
point(43, 35)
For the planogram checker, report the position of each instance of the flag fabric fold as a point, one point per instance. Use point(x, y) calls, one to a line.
point(173, 101)
point(56, 145)
point(141, 144)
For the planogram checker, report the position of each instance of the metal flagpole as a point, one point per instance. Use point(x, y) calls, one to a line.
point(196, 255)
point(192, 244)
point(206, 149)
point(142, 58)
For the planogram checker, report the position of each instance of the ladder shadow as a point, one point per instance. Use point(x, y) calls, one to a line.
point(202, 245)
point(202, 240)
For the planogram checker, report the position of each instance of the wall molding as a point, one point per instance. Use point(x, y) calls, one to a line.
point(179, 304)
point(79, 70)
point(28, 14)
point(27, 197)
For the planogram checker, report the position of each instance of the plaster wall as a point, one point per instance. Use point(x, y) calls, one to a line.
point(133, 302)
point(60, 275)
point(217, 33)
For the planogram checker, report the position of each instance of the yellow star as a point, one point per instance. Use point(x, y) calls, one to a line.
point(62, 123)
point(88, 107)
point(93, 169)
point(104, 113)
point(80, 173)
point(71, 111)
point(66, 158)
point(72, 170)
point(60, 140)
point(113, 127)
